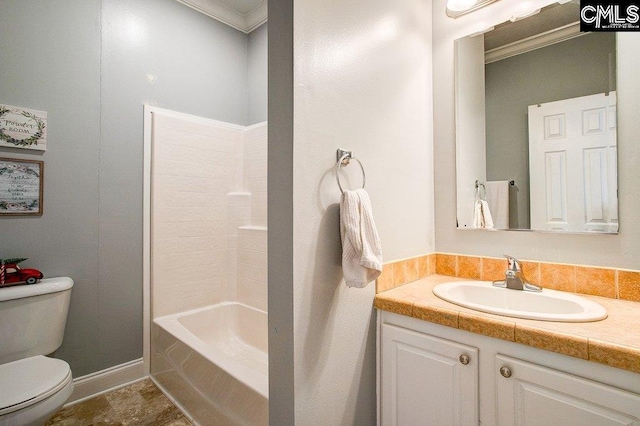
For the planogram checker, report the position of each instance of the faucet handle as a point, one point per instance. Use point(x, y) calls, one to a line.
point(514, 264)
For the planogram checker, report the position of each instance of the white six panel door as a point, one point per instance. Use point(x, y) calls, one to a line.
point(572, 164)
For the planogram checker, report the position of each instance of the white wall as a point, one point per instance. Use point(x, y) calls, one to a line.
point(255, 171)
point(252, 240)
point(606, 250)
point(194, 165)
point(362, 81)
point(238, 215)
point(205, 247)
point(252, 267)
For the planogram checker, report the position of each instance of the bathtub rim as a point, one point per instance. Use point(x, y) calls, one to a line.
point(257, 381)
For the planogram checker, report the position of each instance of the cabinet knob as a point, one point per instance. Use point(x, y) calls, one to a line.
point(464, 359)
point(506, 372)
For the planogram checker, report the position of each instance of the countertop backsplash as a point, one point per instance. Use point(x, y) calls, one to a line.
point(613, 283)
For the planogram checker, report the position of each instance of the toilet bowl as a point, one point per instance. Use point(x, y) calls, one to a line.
point(32, 390)
point(33, 387)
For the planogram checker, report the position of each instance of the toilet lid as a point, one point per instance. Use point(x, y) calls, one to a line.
point(28, 381)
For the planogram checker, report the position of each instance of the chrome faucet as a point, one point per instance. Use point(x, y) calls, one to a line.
point(514, 278)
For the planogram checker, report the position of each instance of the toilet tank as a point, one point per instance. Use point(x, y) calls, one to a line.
point(33, 317)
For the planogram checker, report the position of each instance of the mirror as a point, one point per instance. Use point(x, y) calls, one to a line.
point(536, 126)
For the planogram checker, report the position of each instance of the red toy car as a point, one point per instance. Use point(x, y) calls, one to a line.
point(13, 274)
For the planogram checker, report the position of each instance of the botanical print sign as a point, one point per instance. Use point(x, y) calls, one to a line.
point(20, 187)
point(23, 128)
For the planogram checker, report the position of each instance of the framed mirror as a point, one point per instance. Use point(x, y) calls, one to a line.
point(536, 137)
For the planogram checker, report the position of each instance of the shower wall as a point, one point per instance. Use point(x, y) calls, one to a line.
point(247, 232)
point(206, 248)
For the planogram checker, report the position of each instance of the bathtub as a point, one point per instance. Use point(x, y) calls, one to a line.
point(213, 363)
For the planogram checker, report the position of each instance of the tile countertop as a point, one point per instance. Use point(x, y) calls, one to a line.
point(614, 341)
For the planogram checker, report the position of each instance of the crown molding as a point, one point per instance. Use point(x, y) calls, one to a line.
point(538, 41)
point(256, 17)
point(245, 22)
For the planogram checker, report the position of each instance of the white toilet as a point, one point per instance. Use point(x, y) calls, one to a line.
point(33, 387)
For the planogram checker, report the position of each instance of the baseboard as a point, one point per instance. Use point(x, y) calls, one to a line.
point(103, 381)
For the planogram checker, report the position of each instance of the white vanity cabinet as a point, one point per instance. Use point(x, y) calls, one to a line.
point(427, 380)
point(434, 375)
point(533, 395)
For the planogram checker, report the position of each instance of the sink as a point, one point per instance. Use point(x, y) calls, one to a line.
point(548, 305)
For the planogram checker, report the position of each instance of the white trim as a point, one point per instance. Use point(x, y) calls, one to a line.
point(245, 22)
point(537, 41)
point(146, 238)
point(195, 118)
point(256, 17)
point(253, 228)
point(103, 381)
point(255, 126)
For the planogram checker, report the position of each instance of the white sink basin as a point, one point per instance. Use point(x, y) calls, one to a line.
point(548, 305)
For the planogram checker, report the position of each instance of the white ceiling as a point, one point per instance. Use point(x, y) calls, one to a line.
point(243, 15)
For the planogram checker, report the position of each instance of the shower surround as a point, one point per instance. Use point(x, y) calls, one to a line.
point(208, 253)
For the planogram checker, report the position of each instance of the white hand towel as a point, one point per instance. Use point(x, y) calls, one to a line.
point(361, 248)
point(498, 199)
point(482, 215)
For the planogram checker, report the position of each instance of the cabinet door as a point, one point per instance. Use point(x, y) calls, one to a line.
point(533, 395)
point(427, 380)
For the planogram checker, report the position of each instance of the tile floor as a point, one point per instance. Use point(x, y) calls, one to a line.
point(138, 404)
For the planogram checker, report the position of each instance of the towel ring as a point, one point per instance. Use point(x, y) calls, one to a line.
point(345, 160)
point(484, 191)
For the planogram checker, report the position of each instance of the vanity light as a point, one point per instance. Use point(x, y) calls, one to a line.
point(481, 30)
point(460, 5)
point(516, 18)
point(457, 8)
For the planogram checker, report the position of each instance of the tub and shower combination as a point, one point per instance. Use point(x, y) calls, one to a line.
point(207, 267)
point(213, 361)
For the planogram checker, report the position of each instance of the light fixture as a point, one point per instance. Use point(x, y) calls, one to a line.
point(456, 8)
point(460, 5)
point(523, 15)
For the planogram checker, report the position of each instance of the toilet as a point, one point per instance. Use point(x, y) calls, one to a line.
point(33, 387)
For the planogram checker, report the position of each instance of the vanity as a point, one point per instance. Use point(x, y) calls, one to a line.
point(439, 363)
point(443, 364)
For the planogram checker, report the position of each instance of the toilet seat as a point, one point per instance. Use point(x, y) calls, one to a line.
point(26, 382)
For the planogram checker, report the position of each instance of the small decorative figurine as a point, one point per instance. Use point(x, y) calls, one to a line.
point(12, 274)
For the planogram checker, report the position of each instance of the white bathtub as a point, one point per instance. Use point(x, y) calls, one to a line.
point(213, 361)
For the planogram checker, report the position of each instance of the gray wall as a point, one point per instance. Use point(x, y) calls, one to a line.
point(599, 250)
point(51, 62)
point(280, 213)
point(545, 75)
point(257, 74)
point(93, 83)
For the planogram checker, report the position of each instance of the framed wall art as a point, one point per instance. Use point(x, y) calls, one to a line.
point(21, 183)
point(23, 128)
